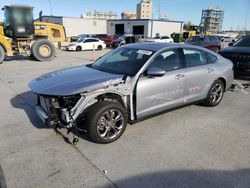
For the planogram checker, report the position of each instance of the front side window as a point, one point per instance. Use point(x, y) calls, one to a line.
point(195, 57)
point(165, 37)
point(90, 40)
point(168, 60)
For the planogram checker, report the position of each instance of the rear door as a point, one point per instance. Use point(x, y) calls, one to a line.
point(156, 94)
point(200, 72)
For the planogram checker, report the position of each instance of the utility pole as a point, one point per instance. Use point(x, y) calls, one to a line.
point(159, 8)
point(51, 13)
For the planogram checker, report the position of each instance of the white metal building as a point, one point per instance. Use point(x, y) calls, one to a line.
point(146, 27)
point(75, 26)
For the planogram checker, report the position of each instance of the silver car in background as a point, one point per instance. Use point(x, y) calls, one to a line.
point(129, 83)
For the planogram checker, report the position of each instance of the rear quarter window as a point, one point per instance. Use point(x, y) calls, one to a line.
point(211, 58)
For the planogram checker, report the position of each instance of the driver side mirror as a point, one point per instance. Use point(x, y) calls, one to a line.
point(155, 72)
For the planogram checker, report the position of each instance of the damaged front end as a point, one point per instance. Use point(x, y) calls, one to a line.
point(55, 111)
point(65, 111)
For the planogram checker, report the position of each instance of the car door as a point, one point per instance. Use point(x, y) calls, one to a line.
point(155, 94)
point(89, 44)
point(200, 72)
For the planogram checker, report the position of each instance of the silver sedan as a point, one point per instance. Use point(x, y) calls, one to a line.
point(130, 83)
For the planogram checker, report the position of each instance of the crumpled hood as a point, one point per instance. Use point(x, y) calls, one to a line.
point(73, 81)
point(235, 49)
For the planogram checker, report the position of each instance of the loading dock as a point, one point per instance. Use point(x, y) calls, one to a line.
point(146, 27)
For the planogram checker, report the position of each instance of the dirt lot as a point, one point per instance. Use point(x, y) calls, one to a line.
point(194, 146)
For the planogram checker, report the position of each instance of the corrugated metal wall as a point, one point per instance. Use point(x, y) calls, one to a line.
point(76, 26)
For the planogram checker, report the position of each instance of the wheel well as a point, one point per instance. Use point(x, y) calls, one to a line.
point(112, 97)
point(223, 81)
point(3, 47)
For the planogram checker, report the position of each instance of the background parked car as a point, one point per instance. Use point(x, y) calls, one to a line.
point(161, 39)
point(239, 54)
point(209, 42)
point(225, 40)
point(106, 38)
point(125, 39)
point(78, 37)
point(86, 44)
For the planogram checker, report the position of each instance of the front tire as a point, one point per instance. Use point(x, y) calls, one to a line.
point(78, 48)
point(2, 54)
point(43, 50)
point(215, 94)
point(106, 121)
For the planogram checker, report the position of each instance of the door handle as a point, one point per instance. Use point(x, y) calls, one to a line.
point(209, 70)
point(179, 76)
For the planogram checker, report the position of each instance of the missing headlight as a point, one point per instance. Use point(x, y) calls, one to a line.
point(54, 102)
point(69, 101)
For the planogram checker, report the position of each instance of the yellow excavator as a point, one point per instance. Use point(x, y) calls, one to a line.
point(21, 35)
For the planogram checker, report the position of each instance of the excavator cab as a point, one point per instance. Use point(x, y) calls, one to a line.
point(18, 21)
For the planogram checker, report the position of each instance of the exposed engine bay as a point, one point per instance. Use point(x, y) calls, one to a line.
point(66, 111)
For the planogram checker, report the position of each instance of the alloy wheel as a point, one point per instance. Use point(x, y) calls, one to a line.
point(216, 93)
point(110, 124)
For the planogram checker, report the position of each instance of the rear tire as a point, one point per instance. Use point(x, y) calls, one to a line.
point(99, 48)
point(43, 50)
point(2, 54)
point(215, 94)
point(106, 117)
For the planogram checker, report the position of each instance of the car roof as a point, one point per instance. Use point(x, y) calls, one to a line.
point(90, 38)
point(156, 46)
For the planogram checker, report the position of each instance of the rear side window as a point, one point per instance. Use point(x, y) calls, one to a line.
point(211, 58)
point(90, 40)
point(195, 57)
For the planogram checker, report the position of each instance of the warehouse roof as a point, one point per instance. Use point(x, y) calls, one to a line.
point(130, 20)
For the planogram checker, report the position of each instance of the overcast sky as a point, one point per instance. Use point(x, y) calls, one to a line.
point(237, 12)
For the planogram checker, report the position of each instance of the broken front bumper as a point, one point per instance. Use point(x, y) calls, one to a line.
point(42, 114)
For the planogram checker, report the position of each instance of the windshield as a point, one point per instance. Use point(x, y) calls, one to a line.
point(126, 61)
point(121, 38)
point(80, 40)
point(21, 16)
point(195, 39)
point(244, 41)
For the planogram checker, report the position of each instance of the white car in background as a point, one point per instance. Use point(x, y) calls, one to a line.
point(86, 44)
point(161, 39)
